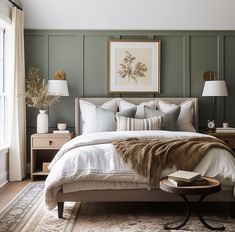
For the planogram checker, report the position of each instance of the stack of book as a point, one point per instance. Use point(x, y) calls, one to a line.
point(225, 130)
point(185, 178)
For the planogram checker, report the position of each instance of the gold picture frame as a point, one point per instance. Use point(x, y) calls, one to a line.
point(134, 66)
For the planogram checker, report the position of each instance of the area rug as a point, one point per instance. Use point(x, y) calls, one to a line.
point(27, 212)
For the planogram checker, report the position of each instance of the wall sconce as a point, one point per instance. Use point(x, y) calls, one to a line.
point(58, 86)
point(209, 76)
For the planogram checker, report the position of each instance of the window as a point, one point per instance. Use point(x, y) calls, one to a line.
point(2, 91)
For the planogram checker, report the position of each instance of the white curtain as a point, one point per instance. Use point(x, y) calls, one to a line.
point(17, 118)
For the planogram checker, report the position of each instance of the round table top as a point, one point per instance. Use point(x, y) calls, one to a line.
point(212, 187)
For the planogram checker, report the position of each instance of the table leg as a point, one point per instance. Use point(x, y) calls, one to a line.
point(201, 218)
point(187, 216)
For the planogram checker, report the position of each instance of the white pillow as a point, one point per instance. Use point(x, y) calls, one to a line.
point(131, 124)
point(185, 119)
point(124, 105)
point(88, 114)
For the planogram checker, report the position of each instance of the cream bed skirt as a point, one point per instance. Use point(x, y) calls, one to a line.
point(110, 185)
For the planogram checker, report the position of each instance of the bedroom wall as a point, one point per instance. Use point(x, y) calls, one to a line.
point(129, 14)
point(83, 57)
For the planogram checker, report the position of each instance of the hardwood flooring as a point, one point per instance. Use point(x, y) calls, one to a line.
point(9, 191)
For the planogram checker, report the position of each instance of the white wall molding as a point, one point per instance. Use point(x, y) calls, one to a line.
point(129, 14)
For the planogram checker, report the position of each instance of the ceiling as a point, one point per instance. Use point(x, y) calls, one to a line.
point(130, 14)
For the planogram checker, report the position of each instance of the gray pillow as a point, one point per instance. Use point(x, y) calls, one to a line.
point(106, 120)
point(169, 118)
point(129, 113)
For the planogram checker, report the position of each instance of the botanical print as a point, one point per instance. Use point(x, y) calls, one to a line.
point(133, 66)
point(129, 69)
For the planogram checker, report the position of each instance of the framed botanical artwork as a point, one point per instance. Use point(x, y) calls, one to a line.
point(134, 66)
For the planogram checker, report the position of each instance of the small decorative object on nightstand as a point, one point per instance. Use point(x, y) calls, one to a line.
point(225, 125)
point(43, 149)
point(61, 128)
point(211, 126)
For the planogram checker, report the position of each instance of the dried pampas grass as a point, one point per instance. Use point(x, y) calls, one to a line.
point(37, 91)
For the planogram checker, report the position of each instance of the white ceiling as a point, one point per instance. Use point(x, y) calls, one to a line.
point(130, 14)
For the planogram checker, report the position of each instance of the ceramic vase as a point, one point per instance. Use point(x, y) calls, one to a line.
point(42, 122)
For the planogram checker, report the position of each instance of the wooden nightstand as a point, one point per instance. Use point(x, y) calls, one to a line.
point(228, 138)
point(43, 149)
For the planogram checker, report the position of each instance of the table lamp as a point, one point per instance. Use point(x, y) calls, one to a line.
point(214, 88)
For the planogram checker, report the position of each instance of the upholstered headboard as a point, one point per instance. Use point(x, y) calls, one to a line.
point(99, 101)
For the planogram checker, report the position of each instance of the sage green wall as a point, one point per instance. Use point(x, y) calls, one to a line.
point(83, 57)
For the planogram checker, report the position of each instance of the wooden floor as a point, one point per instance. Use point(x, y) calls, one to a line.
point(9, 191)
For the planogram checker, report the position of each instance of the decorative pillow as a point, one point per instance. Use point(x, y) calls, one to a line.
point(106, 121)
point(185, 120)
point(88, 114)
point(130, 113)
point(130, 124)
point(124, 105)
point(169, 118)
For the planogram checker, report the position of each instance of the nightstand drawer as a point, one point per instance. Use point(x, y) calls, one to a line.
point(48, 142)
point(229, 141)
point(228, 138)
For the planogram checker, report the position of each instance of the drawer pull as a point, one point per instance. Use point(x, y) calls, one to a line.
point(50, 142)
point(226, 141)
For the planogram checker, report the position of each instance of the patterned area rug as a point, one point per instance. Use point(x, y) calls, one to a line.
point(27, 213)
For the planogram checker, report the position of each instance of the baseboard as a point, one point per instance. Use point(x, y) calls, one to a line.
point(3, 179)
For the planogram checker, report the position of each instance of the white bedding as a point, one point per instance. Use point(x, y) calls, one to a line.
point(92, 158)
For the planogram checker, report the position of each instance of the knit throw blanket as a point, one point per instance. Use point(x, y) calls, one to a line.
point(148, 157)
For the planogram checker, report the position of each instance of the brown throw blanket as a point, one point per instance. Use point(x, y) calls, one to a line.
point(149, 157)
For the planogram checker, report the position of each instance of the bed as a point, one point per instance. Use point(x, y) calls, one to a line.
point(124, 185)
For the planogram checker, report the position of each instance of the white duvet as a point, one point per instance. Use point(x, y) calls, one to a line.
point(92, 158)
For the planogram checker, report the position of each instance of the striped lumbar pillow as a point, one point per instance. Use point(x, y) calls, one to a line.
point(130, 124)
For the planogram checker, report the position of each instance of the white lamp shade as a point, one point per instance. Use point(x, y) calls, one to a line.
point(58, 88)
point(215, 88)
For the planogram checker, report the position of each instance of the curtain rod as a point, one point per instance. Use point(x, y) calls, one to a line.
point(17, 6)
